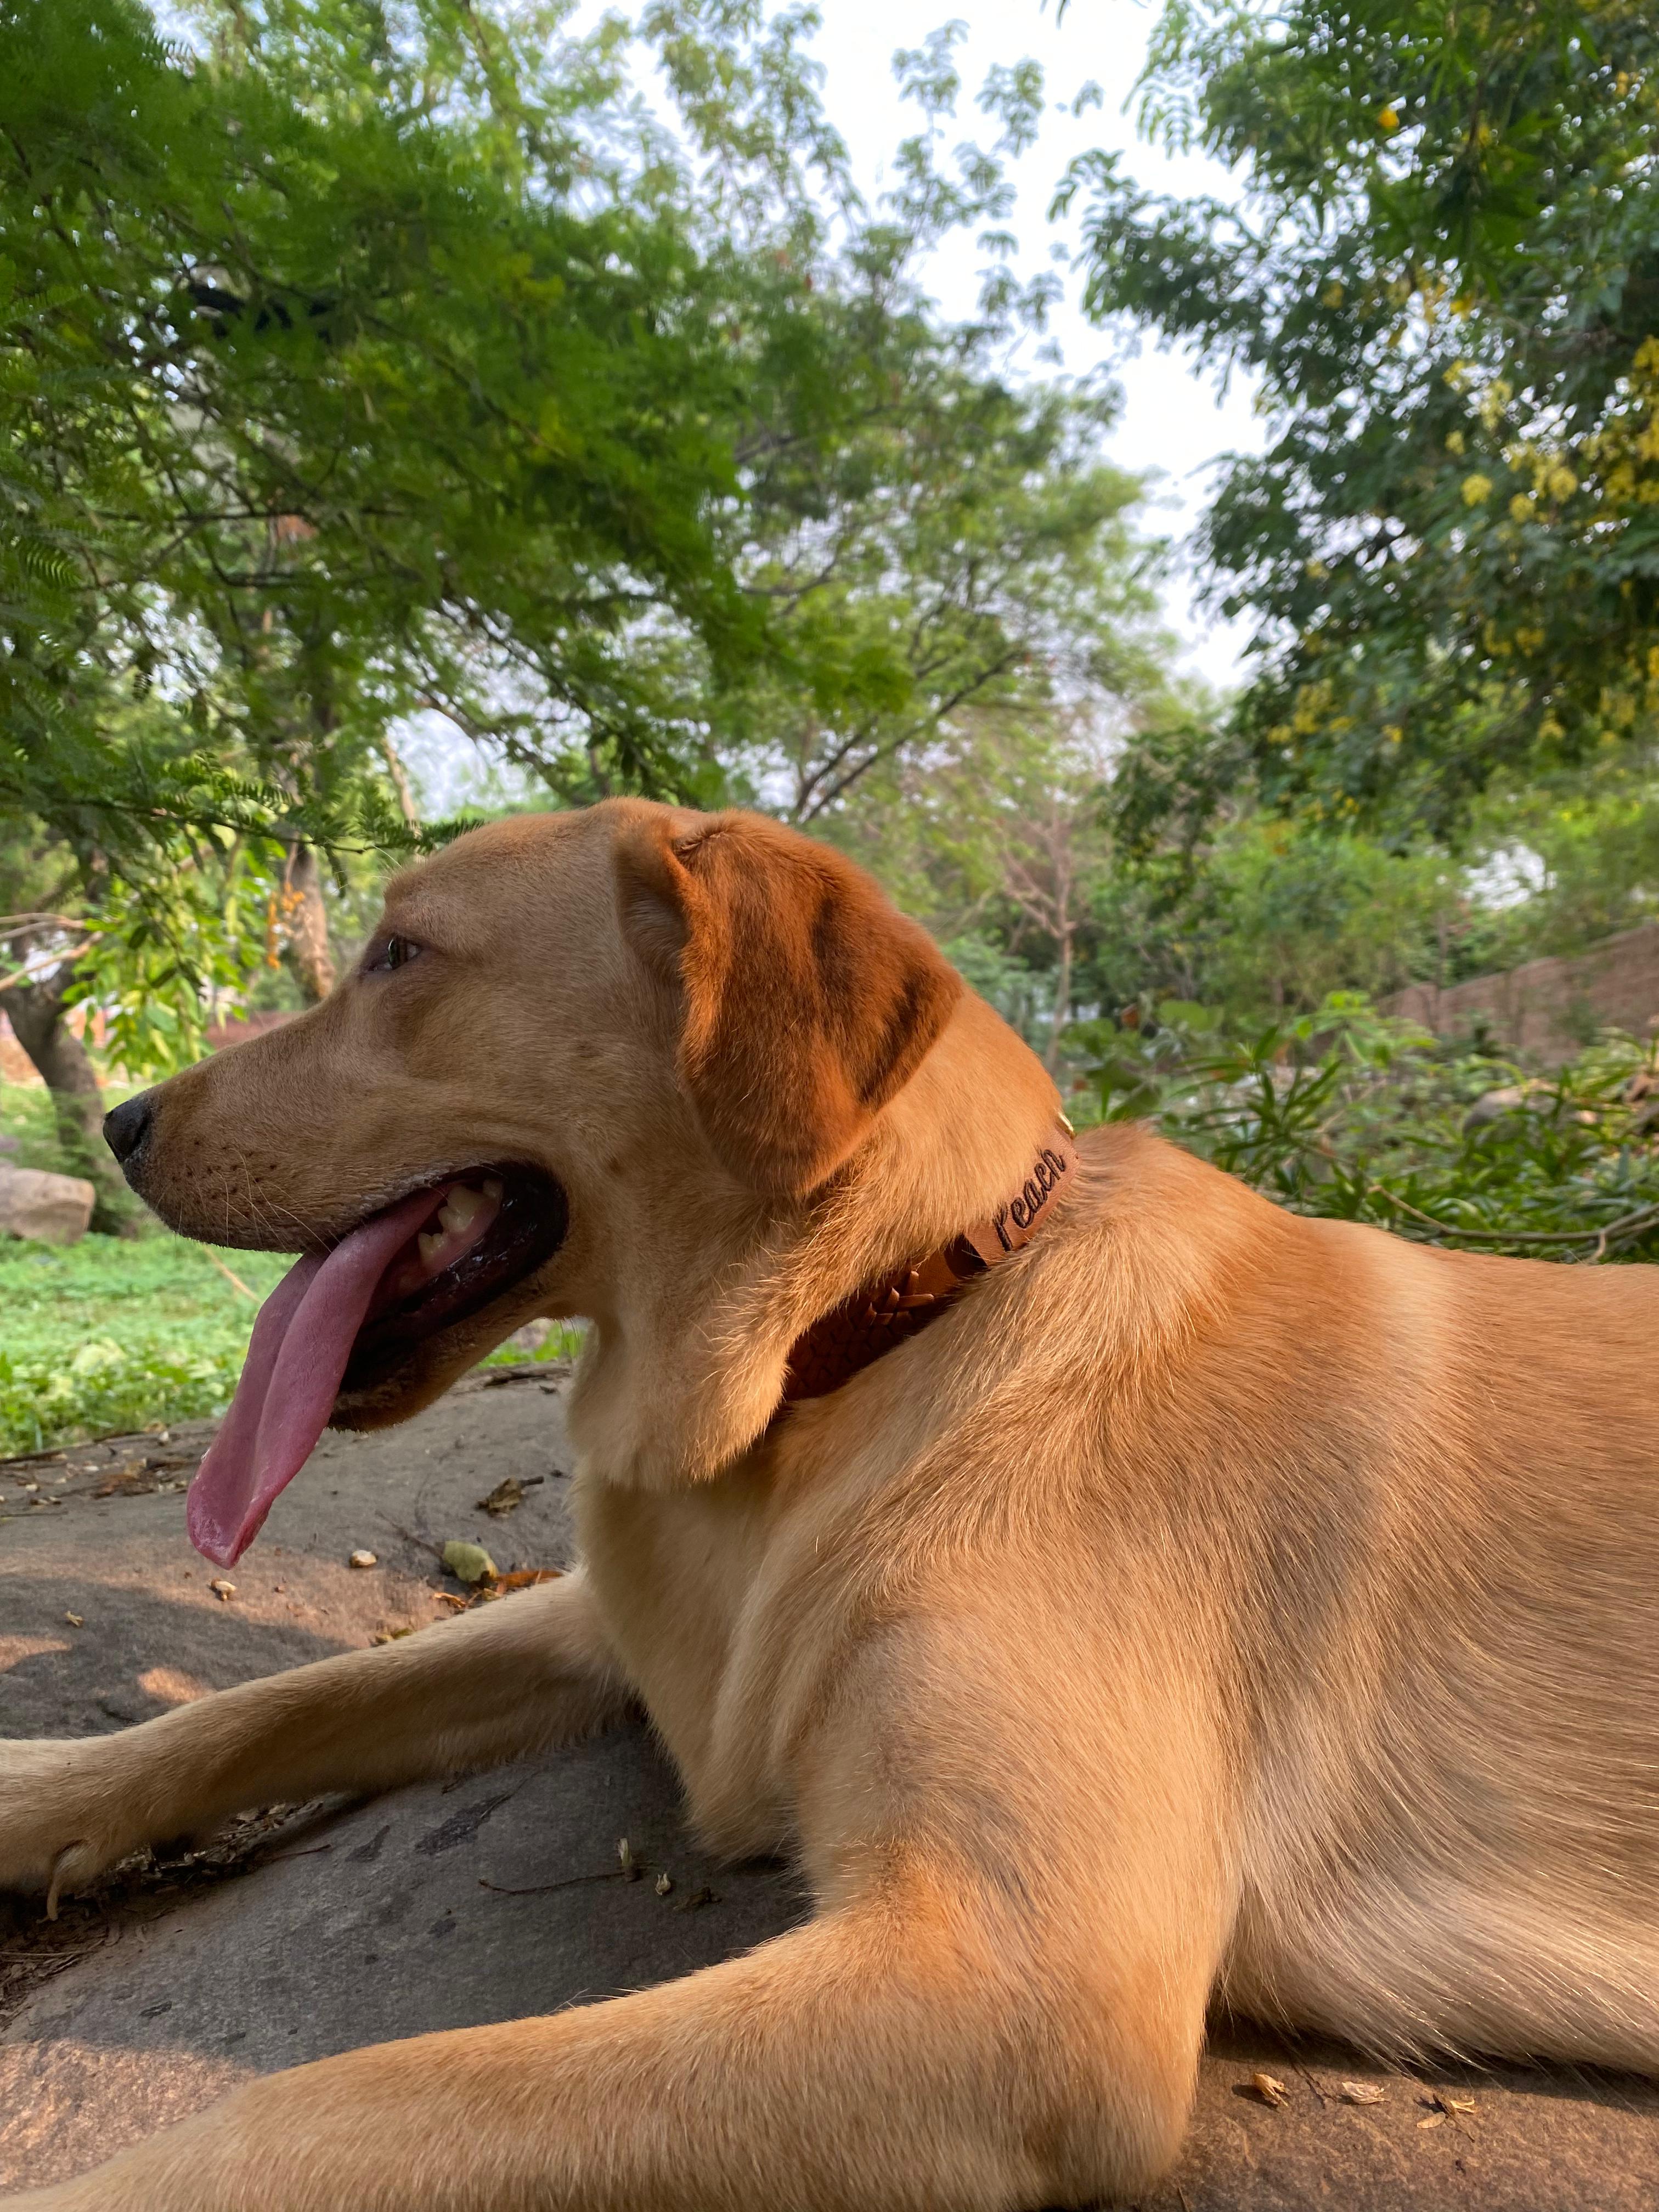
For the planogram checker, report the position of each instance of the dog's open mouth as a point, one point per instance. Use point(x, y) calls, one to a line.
point(489, 1232)
point(350, 1318)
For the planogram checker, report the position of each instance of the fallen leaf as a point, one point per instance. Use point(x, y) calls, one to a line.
point(468, 1563)
point(508, 1495)
point(630, 1866)
point(390, 1635)
point(1270, 2090)
point(222, 1590)
point(74, 1620)
point(1434, 2120)
point(695, 1900)
point(363, 1559)
point(527, 1577)
point(664, 1883)
point(1363, 2093)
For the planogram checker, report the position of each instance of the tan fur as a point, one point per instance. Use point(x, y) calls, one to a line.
point(1215, 1604)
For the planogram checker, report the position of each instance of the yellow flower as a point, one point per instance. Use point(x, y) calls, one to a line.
point(1520, 507)
point(1562, 482)
point(1331, 294)
point(1475, 489)
point(1454, 441)
point(1387, 117)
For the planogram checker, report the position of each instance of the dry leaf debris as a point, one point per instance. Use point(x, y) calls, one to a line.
point(363, 1559)
point(1270, 2089)
point(223, 1590)
point(1363, 2093)
point(1443, 2105)
point(508, 1495)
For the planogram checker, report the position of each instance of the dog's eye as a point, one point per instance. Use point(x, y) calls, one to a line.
point(396, 952)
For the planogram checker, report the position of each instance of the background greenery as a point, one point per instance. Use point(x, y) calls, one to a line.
point(364, 360)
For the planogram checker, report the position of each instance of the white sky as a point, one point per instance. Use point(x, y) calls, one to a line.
point(1172, 420)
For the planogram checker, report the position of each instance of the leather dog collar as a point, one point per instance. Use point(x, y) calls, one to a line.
point(890, 1312)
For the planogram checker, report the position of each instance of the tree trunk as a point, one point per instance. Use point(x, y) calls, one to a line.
point(37, 1014)
point(308, 952)
point(1062, 1013)
point(400, 783)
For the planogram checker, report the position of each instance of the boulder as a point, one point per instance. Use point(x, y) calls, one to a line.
point(52, 1208)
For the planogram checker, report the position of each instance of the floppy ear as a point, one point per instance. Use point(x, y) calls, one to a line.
point(809, 1000)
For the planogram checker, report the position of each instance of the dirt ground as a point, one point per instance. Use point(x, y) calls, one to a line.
point(306, 1931)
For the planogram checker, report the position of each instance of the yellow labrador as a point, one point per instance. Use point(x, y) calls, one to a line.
point(1118, 1593)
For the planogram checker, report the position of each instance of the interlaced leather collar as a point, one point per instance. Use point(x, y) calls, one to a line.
point(890, 1312)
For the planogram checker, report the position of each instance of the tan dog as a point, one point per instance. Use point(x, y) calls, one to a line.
point(1212, 1603)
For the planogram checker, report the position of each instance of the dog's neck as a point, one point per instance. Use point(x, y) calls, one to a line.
point(881, 1315)
point(689, 1368)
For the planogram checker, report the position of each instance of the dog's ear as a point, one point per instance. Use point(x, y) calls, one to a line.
point(808, 1001)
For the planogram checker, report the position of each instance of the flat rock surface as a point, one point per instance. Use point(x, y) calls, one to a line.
point(307, 1930)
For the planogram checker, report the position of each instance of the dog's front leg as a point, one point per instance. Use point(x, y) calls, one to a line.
point(528, 1672)
point(901, 2056)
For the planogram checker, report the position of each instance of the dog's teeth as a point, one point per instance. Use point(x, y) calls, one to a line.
point(431, 1242)
point(458, 1209)
point(492, 1190)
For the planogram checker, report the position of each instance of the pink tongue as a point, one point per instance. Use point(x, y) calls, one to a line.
point(302, 1341)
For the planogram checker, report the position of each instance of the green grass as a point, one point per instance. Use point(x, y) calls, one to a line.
point(26, 1115)
point(121, 1333)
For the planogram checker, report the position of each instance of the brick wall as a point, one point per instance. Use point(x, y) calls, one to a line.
point(1546, 1010)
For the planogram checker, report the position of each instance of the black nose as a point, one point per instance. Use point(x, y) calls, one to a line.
point(126, 1126)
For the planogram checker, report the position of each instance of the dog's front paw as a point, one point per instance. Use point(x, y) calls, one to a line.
point(63, 1820)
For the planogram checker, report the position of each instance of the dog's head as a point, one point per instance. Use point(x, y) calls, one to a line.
point(572, 1035)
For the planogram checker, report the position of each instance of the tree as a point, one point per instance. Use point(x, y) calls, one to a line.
point(356, 361)
point(1444, 273)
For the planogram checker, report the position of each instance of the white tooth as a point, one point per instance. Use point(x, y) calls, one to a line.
point(458, 1209)
point(492, 1190)
point(431, 1242)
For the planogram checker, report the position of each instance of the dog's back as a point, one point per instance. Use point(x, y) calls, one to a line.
point(1416, 1499)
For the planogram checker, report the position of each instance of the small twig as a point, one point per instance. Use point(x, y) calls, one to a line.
point(1626, 1224)
point(235, 1280)
point(310, 1853)
point(543, 1888)
point(51, 1958)
point(1311, 2083)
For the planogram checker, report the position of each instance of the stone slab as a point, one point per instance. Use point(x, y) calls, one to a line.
point(51, 1209)
point(449, 1906)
